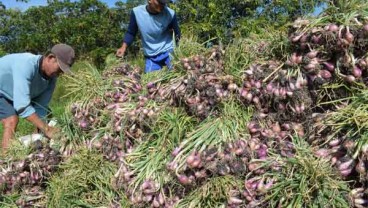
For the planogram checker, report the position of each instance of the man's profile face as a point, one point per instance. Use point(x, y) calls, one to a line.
point(156, 6)
point(52, 68)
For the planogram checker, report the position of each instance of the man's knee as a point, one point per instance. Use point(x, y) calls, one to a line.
point(10, 123)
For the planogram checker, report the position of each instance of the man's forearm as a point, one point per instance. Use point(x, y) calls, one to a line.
point(174, 25)
point(37, 122)
point(132, 30)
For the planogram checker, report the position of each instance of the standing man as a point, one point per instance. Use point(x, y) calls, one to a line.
point(156, 24)
point(27, 82)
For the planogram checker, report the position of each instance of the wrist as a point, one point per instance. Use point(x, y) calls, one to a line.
point(46, 128)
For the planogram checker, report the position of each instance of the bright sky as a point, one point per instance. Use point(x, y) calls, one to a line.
point(23, 6)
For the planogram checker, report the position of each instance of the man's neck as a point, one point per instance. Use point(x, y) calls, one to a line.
point(40, 67)
point(149, 10)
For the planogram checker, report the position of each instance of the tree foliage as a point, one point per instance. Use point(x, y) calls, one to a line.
point(88, 25)
point(222, 19)
point(2, 6)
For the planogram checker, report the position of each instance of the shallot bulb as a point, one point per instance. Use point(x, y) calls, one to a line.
point(325, 74)
point(349, 78)
point(357, 72)
point(329, 66)
point(365, 27)
point(312, 54)
point(316, 39)
point(348, 36)
point(333, 28)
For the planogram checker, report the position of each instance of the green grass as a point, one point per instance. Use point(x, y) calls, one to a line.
point(306, 181)
point(149, 159)
point(213, 193)
point(83, 181)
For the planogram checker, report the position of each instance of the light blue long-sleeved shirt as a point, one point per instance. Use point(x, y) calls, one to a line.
point(22, 82)
point(156, 30)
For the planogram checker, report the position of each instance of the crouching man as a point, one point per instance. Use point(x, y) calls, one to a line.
point(27, 82)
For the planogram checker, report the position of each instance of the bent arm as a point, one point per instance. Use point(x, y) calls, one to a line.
point(131, 32)
point(37, 122)
point(41, 102)
point(21, 91)
point(129, 36)
point(174, 25)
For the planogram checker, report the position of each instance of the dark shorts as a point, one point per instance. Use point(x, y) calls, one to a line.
point(6, 108)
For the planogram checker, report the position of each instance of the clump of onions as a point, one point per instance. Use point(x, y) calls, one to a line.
point(194, 160)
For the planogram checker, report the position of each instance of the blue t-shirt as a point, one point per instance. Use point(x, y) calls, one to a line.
point(22, 82)
point(156, 30)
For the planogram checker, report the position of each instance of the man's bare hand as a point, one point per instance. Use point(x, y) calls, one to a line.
point(120, 52)
point(51, 132)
